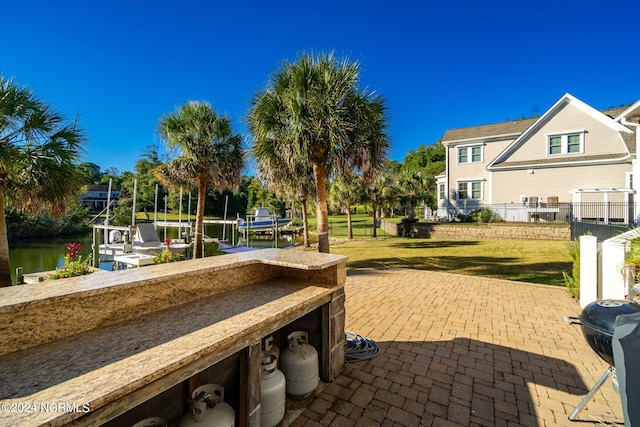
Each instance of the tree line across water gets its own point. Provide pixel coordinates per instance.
(316, 136)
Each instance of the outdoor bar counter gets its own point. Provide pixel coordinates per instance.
(112, 349)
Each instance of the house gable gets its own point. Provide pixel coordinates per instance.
(594, 137)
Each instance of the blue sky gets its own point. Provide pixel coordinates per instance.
(439, 64)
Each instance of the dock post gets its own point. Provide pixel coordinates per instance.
(275, 234)
(95, 257)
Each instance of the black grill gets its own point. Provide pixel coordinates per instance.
(598, 321)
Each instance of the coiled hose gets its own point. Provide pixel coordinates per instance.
(359, 348)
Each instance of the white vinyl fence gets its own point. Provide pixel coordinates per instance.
(603, 270)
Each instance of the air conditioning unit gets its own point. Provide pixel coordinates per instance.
(523, 198)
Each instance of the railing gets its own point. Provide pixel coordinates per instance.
(600, 230)
(604, 212)
(618, 213)
(360, 228)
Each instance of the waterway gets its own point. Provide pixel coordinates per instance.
(35, 255)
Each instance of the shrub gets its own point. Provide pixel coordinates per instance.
(166, 255)
(74, 265)
(483, 215)
(573, 282)
(632, 261)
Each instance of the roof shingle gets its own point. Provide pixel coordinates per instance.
(484, 131)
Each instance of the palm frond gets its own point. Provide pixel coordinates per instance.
(207, 145)
(39, 151)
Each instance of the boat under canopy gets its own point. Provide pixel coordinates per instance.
(262, 221)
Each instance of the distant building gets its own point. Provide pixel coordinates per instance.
(96, 196)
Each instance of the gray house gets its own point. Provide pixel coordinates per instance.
(96, 196)
(544, 168)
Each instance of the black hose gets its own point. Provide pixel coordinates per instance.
(359, 348)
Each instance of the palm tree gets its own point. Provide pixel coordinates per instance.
(293, 182)
(417, 176)
(389, 192)
(211, 155)
(345, 192)
(313, 110)
(415, 184)
(39, 153)
(377, 193)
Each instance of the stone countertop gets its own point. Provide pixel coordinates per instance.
(26, 294)
(31, 315)
(100, 366)
(41, 276)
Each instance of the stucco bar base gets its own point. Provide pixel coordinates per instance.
(106, 345)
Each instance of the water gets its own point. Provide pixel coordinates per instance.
(48, 253)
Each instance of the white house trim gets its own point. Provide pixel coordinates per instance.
(614, 160)
(490, 188)
(626, 112)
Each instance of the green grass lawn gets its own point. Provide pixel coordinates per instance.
(536, 261)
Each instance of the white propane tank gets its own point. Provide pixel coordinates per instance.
(269, 347)
(208, 409)
(272, 392)
(151, 422)
(299, 363)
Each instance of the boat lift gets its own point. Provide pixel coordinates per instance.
(106, 247)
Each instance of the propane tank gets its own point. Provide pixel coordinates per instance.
(151, 422)
(269, 347)
(272, 392)
(208, 409)
(299, 363)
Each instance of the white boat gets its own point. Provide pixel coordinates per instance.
(133, 260)
(231, 249)
(146, 241)
(262, 220)
(110, 241)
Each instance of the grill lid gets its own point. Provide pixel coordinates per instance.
(601, 315)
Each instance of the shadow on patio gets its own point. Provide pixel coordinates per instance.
(462, 351)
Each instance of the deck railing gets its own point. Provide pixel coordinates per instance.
(619, 213)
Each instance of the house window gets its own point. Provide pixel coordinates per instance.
(574, 143)
(441, 193)
(462, 155)
(555, 145)
(566, 144)
(470, 154)
(476, 154)
(470, 190)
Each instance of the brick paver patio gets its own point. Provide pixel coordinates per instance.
(462, 351)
